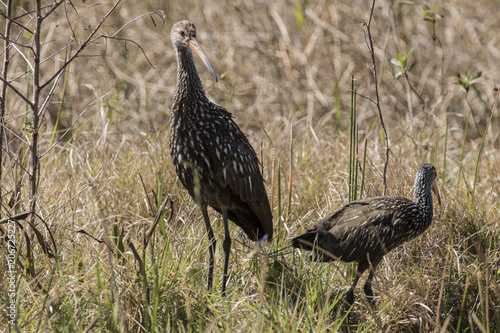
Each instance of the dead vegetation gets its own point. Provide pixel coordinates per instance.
(103, 168)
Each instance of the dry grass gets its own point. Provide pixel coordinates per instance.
(280, 65)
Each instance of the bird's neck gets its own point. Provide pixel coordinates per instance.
(188, 81)
(422, 196)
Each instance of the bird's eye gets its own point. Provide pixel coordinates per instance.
(183, 33)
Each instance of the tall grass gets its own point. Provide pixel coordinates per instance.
(101, 187)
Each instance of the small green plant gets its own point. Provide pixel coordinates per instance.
(429, 14)
(468, 81)
(401, 61)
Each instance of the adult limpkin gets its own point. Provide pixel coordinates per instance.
(212, 157)
(365, 230)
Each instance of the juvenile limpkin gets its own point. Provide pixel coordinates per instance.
(365, 230)
(212, 157)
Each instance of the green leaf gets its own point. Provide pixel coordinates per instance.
(429, 14)
(398, 75)
(467, 81)
(161, 224)
(299, 14)
(400, 58)
(118, 240)
(476, 77)
(396, 62)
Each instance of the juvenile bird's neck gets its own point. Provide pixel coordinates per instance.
(422, 196)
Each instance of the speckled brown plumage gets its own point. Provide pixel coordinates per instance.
(365, 230)
(212, 157)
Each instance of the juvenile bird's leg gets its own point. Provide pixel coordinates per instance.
(226, 245)
(211, 248)
(368, 288)
(349, 297)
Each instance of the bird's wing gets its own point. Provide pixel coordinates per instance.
(239, 170)
(367, 212)
(238, 165)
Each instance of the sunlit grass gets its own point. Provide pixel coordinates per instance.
(281, 67)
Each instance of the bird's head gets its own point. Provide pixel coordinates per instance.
(428, 173)
(183, 37)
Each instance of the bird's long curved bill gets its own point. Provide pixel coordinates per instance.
(436, 192)
(196, 48)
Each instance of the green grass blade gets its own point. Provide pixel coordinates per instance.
(363, 173)
(463, 149)
(471, 200)
(445, 151)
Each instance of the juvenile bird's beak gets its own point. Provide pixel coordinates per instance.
(196, 48)
(436, 192)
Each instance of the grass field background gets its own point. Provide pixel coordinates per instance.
(285, 72)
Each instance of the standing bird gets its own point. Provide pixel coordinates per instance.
(212, 157)
(365, 230)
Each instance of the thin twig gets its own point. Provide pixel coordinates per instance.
(366, 97)
(14, 134)
(33, 169)
(18, 93)
(372, 52)
(42, 108)
(126, 40)
(160, 13)
(54, 6)
(14, 20)
(3, 92)
(82, 46)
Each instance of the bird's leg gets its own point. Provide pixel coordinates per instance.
(349, 297)
(226, 245)
(368, 288)
(211, 248)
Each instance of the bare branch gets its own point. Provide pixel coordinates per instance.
(48, 98)
(372, 52)
(22, 114)
(14, 20)
(14, 134)
(82, 46)
(57, 52)
(17, 92)
(160, 13)
(366, 97)
(130, 41)
(54, 7)
(3, 92)
(34, 11)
